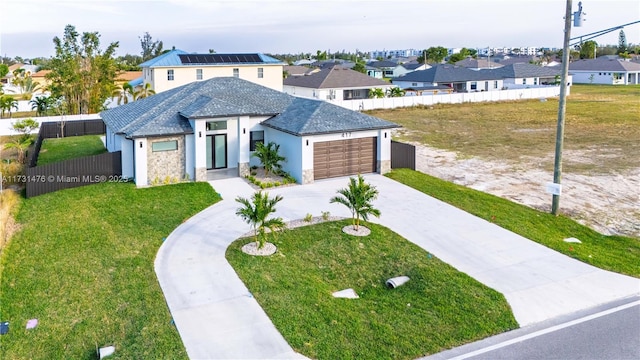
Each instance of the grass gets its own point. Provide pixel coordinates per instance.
(60, 149)
(83, 265)
(437, 309)
(615, 253)
(601, 121)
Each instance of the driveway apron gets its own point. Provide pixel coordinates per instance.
(217, 317)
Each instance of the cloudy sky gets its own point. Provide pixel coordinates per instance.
(27, 27)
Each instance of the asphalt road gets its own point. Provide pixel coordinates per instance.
(611, 333)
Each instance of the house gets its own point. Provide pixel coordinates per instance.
(176, 68)
(389, 69)
(129, 76)
(374, 72)
(333, 83)
(605, 71)
(295, 70)
(477, 64)
(40, 78)
(215, 124)
(528, 74)
(415, 66)
(458, 78)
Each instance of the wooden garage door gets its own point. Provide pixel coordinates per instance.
(344, 157)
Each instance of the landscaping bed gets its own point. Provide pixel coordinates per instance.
(437, 309)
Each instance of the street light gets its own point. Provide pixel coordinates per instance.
(556, 188)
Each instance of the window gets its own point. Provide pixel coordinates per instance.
(474, 85)
(170, 74)
(414, 84)
(617, 76)
(260, 73)
(535, 81)
(495, 84)
(524, 81)
(198, 74)
(164, 145)
(216, 125)
(255, 137)
(236, 72)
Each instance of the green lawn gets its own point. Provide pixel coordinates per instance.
(60, 149)
(437, 309)
(616, 253)
(83, 265)
(601, 122)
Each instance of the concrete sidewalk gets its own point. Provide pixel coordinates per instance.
(217, 318)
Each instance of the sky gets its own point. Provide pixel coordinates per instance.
(27, 27)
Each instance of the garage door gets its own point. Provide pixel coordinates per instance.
(344, 157)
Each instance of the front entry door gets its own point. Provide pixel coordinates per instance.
(217, 151)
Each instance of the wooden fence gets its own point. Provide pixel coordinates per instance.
(403, 155)
(72, 173)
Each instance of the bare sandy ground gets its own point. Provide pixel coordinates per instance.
(609, 204)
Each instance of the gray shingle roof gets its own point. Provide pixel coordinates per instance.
(310, 117)
(168, 112)
(604, 64)
(449, 73)
(334, 77)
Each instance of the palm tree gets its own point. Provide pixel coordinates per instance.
(7, 103)
(123, 93)
(376, 93)
(254, 211)
(358, 197)
(269, 157)
(28, 87)
(41, 104)
(395, 92)
(20, 143)
(143, 92)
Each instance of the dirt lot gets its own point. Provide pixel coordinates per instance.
(609, 203)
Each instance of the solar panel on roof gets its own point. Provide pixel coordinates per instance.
(219, 58)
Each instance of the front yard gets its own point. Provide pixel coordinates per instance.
(83, 266)
(437, 309)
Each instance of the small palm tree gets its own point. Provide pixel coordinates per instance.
(7, 103)
(123, 93)
(254, 211)
(21, 144)
(376, 93)
(41, 104)
(358, 197)
(395, 92)
(269, 157)
(143, 92)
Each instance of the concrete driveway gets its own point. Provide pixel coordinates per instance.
(218, 319)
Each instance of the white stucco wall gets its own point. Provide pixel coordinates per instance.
(126, 146)
(190, 155)
(200, 143)
(291, 148)
(140, 151)
(110, 140)
(182, 75)
(599, 77)
(322, 94)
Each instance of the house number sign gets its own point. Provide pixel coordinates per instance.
(346, 134)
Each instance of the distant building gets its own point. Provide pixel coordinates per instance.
(395, 53)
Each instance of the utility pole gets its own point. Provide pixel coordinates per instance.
(562, 105)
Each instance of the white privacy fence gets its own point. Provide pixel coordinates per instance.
(7, 123)
(454, 98)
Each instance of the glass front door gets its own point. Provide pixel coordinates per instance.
(217, 151)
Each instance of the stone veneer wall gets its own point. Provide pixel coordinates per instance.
(166, 164)
(307, 176)
(243, 169)
(384, 166)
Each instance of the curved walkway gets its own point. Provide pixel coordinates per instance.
(218, 319)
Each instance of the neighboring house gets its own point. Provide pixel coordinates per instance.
(176, 68)
(215, 124)
(303, 62)
(7, 80)
(389, 69)
(40, 78)
(295, 70)
(462, 79)
(128, 77)
(333, 83)
(605, 71)
(529, 74)
(458, 78)
(374, 72)
(477, 64)
(415, 66)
